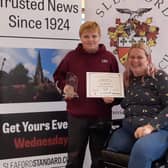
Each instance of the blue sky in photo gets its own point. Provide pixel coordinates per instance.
(50, 58)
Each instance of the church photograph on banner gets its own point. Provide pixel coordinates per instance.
(35, 35)
(27, 75)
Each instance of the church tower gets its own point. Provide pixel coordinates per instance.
(39, 77)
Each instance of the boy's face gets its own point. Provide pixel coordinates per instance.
(90, 41)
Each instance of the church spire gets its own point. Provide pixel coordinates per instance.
(39, 78)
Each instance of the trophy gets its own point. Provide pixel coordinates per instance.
(71, 85)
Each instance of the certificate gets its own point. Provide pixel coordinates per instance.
(104, 84)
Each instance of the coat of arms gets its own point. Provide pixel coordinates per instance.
(126, 33)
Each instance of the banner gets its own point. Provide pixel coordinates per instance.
(126, 21)
(40, 23)
(34, 37)
(31, 131)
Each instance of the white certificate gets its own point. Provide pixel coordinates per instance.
(104, 84)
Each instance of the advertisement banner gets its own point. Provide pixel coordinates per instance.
(31, 136)
(22, 134)
(34, 37)
(43, 23)
(43, 161)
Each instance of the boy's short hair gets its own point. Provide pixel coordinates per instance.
(89, 26)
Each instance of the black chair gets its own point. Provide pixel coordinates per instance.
(112, 159)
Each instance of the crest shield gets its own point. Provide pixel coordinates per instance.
(124, 44)
(124, 34)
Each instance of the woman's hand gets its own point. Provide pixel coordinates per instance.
(108, 100)
(144, 130)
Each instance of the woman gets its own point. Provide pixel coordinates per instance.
(83, 112)
(144, 131)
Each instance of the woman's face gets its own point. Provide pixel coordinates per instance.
(138, 61)
(90, 41)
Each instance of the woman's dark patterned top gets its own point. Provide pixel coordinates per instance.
(146, 101)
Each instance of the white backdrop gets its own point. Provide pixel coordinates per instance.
(152, 25)
(106, 14)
